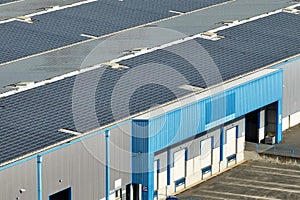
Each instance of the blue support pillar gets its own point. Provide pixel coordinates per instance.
(39, 177)
(149, 194)
(221, 143)
(279, 122)
(168, 167)
(107, 165)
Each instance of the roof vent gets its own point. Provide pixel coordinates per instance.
(210, 36)
(230, 22)
(26, 19)
(191, 88)
(291, 10)
(20, 85)
(53, 8)
(114, 65)
(133, 51)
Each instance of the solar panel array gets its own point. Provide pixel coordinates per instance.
(64, 27)
(6, 1)
(30, 120)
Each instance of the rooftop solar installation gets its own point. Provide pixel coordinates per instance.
(64, 27)
(6, 1)
(30, 120)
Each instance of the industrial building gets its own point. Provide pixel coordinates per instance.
(152, 121)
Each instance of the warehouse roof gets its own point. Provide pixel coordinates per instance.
(55, 63)
(59, 27)
(25, 116)
(37, 118)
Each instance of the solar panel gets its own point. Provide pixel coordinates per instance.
(64, 27)
(30, 120)
(6, 1)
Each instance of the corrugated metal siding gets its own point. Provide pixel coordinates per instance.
(140, 152)
(291, 92)
(23, 176)
(120, 155)
(190, 120)
(82, 165)
(142, 159)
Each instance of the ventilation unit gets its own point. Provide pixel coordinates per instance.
(291, 10)
(133, 51)
(20, 85)
(230, 22)
(191, 88)
(210, 36)
(114, 65)
(26, 19)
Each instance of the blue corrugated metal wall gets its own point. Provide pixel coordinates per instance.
(198, 117)
(189, 120)
(142, 159)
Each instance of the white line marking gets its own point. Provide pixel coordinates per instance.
(207, 196)
(274, 168)
(176, 12)
(263, 182)
(5, 4)
(88, 36)
(273, 173)
(260, 187)
(69, 131)
(242, 195)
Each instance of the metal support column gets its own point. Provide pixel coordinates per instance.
(39, 176)
(279, 122)
(107, 166)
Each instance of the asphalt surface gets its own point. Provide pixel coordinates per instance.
(291, 137)
(251, 180)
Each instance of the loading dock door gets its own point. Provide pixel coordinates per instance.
(231, 141)
(205, 151)
(252, 126)
(179, 164)
(62, 195)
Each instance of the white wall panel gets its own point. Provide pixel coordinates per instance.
(294, 119)
(162, 179)
(190, 167)
(216, 155)
(205, 151)
(240, 157)
(231, 141)
(179, 164)
(197, 167)
(240, 144)
(285, 123)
